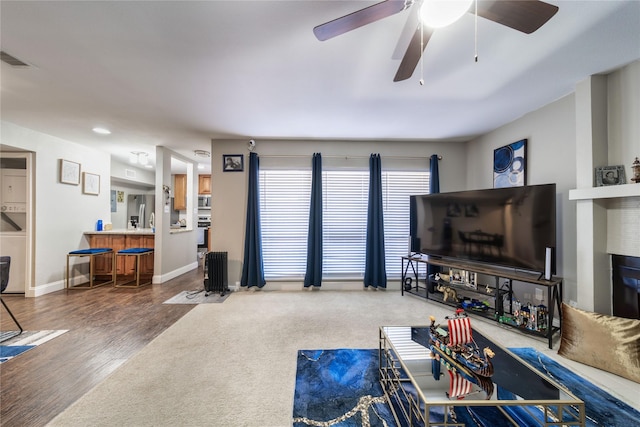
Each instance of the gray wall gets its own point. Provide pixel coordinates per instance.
(229, 189)
(551, 158)
(550, 134)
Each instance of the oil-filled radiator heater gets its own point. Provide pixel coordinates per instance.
(215, 273)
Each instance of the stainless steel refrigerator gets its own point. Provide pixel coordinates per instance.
(140, 208)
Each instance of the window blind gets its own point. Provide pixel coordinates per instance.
(284, 207)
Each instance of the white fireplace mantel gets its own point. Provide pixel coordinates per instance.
(606, 192)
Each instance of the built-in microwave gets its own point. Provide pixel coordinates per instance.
(204, 201)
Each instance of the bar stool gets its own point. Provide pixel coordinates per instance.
(138, 253)
(92, 253)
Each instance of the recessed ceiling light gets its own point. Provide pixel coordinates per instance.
(101, 131)
(200, 166)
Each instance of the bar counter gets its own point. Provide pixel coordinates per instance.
(135, 232)
(123, 239)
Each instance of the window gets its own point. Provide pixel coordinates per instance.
(284, 217)
(284, 210)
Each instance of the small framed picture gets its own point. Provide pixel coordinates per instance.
(232, 162)
(610, 175)
(69, 172)
(90, 183)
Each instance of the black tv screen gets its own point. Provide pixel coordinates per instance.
(509, 227)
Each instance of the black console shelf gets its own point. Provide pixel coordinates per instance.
(416, 281)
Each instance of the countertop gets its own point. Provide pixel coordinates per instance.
(139, 231)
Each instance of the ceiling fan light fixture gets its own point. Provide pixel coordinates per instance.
(440, 13)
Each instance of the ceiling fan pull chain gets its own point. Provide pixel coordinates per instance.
(476, 33)
(422, 54)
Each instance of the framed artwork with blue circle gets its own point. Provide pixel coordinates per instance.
(510, 165)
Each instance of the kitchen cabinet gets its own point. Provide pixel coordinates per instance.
(137, 241)
(180, 192)
(102, 264)
(117, 242)
(204, 184)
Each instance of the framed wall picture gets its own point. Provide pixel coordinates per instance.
(232, 162)
(90, 183)
(69, 172)
(510, 165)
(610, 175)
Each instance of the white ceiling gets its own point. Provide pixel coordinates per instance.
(179, 73)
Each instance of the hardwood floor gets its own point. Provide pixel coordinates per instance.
(106, 327)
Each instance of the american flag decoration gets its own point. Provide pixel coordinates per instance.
(460, 331)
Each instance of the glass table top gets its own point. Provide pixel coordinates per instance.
(512, 378)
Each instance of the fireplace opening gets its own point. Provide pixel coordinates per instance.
(626, 286)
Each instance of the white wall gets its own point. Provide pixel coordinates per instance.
(623, 87)
(623, 223)
(229, 189)
(608, 126)
(126, 173)
(176, 250)
(62, 211)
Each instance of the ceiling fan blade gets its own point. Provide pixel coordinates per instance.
(413, 19)
(359, 18)
(413, 53)
(522, 15)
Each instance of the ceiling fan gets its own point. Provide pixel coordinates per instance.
(522, 15)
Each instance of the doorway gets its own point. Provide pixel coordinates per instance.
(16, 218)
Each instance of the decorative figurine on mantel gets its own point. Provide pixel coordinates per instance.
(635, 167)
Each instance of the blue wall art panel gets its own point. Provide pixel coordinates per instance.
(509, 165)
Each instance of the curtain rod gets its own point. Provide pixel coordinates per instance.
(301, 156)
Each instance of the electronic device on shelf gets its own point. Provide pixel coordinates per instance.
(507, 227)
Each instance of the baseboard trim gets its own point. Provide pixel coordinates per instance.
(45, 289)
(161, 278)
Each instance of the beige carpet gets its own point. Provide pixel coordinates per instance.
(234, 364)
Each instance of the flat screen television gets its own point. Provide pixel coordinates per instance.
(508, 227)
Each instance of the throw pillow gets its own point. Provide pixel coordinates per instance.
(606, 342)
